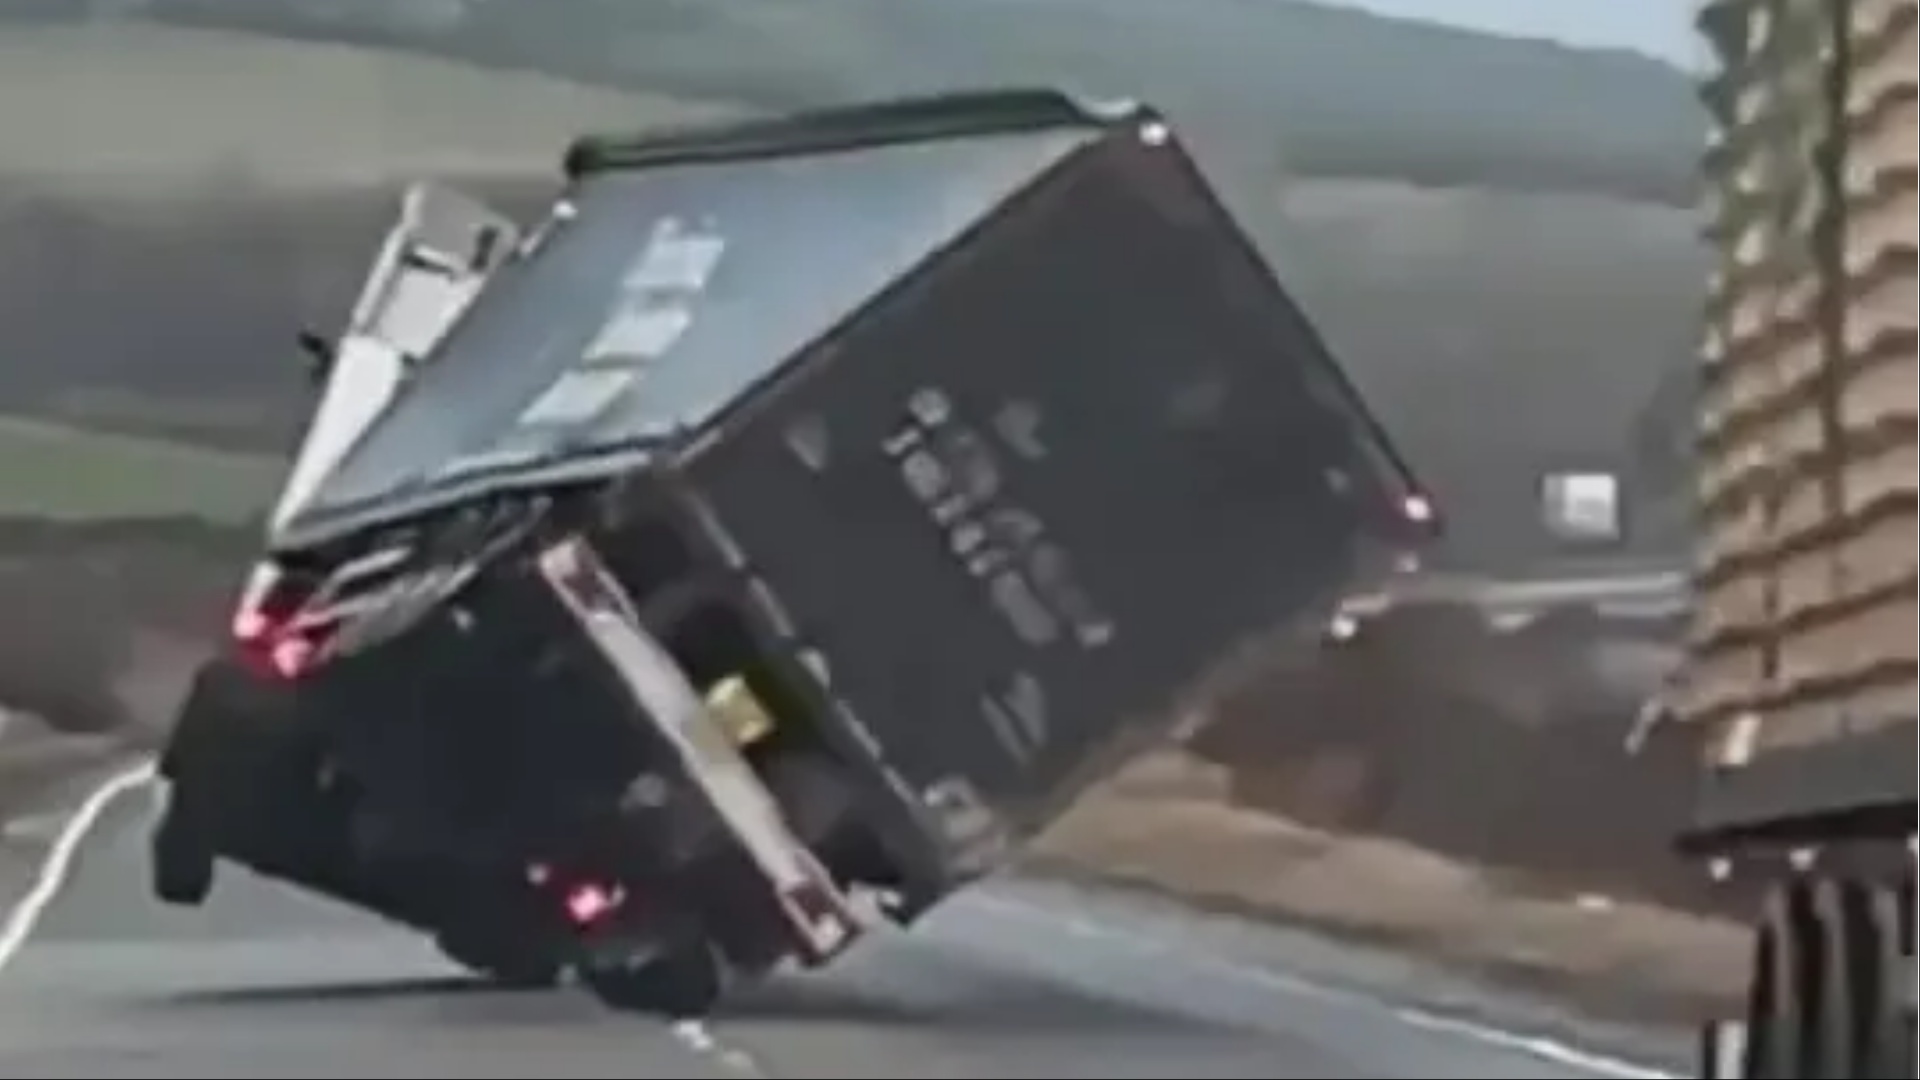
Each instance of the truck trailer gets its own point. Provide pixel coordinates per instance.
(1800, 675)
(793, 523)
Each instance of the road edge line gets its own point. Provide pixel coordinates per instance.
(1274, 980)
(50, 877)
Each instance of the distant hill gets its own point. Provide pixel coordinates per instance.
(174, 201)
(1328, 91)
(1503, 335)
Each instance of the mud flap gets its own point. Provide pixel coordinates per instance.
(819, 912)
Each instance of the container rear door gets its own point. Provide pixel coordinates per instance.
(1035, 496)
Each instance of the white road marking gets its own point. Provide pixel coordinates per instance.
(698, 1037)
(1272, 980)
(57, 867)
(74, 828)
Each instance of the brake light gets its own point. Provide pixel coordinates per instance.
(588, 903)
(275, 651)
(263, 628)
(251, 625)
(291, 655)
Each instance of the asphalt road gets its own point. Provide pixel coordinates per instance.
(1018, 980)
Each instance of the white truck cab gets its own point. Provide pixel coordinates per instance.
(436, 258)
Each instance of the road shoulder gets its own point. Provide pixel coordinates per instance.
(1592, 969)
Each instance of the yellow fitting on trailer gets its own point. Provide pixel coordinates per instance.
(739, 712)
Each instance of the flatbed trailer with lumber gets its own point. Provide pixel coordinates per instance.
(1800, 675)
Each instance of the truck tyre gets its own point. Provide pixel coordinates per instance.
(182, 849)
(508, 964)
(1853, 984)
(225, 705)
(1869, 1029)
(684, 980)
(1783, 1024)
(182, 858)
(814, 795)
(1897, 1042)
(236, 764)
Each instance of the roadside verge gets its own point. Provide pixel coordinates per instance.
(1166, 827)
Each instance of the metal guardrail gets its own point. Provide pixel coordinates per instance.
(1511, 601)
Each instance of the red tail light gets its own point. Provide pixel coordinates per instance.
(264, 630)
(585, 902)
(588, 903)
(277, 652)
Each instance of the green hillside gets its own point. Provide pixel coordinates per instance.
(1332, 91)
(200, 193)
(60, 473)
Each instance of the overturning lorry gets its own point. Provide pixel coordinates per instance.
(771, 538)
(1800, 680)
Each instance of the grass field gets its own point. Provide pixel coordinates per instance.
(62, 473)
(142, 106)
(143, 111)
(197, 194)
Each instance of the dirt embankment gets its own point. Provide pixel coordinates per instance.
(101, 623)
(1510, 751)
(1171, 826)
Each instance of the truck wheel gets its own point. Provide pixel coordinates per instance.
(682, 981)
(1852, 986)
(1878, 937)
(511, 965)
(1897, 1051)
(209, 763)
(1784, 1025)
(820, 809)
(225, 705)
(182, 859)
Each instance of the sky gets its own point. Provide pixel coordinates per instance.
(1662, 28)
